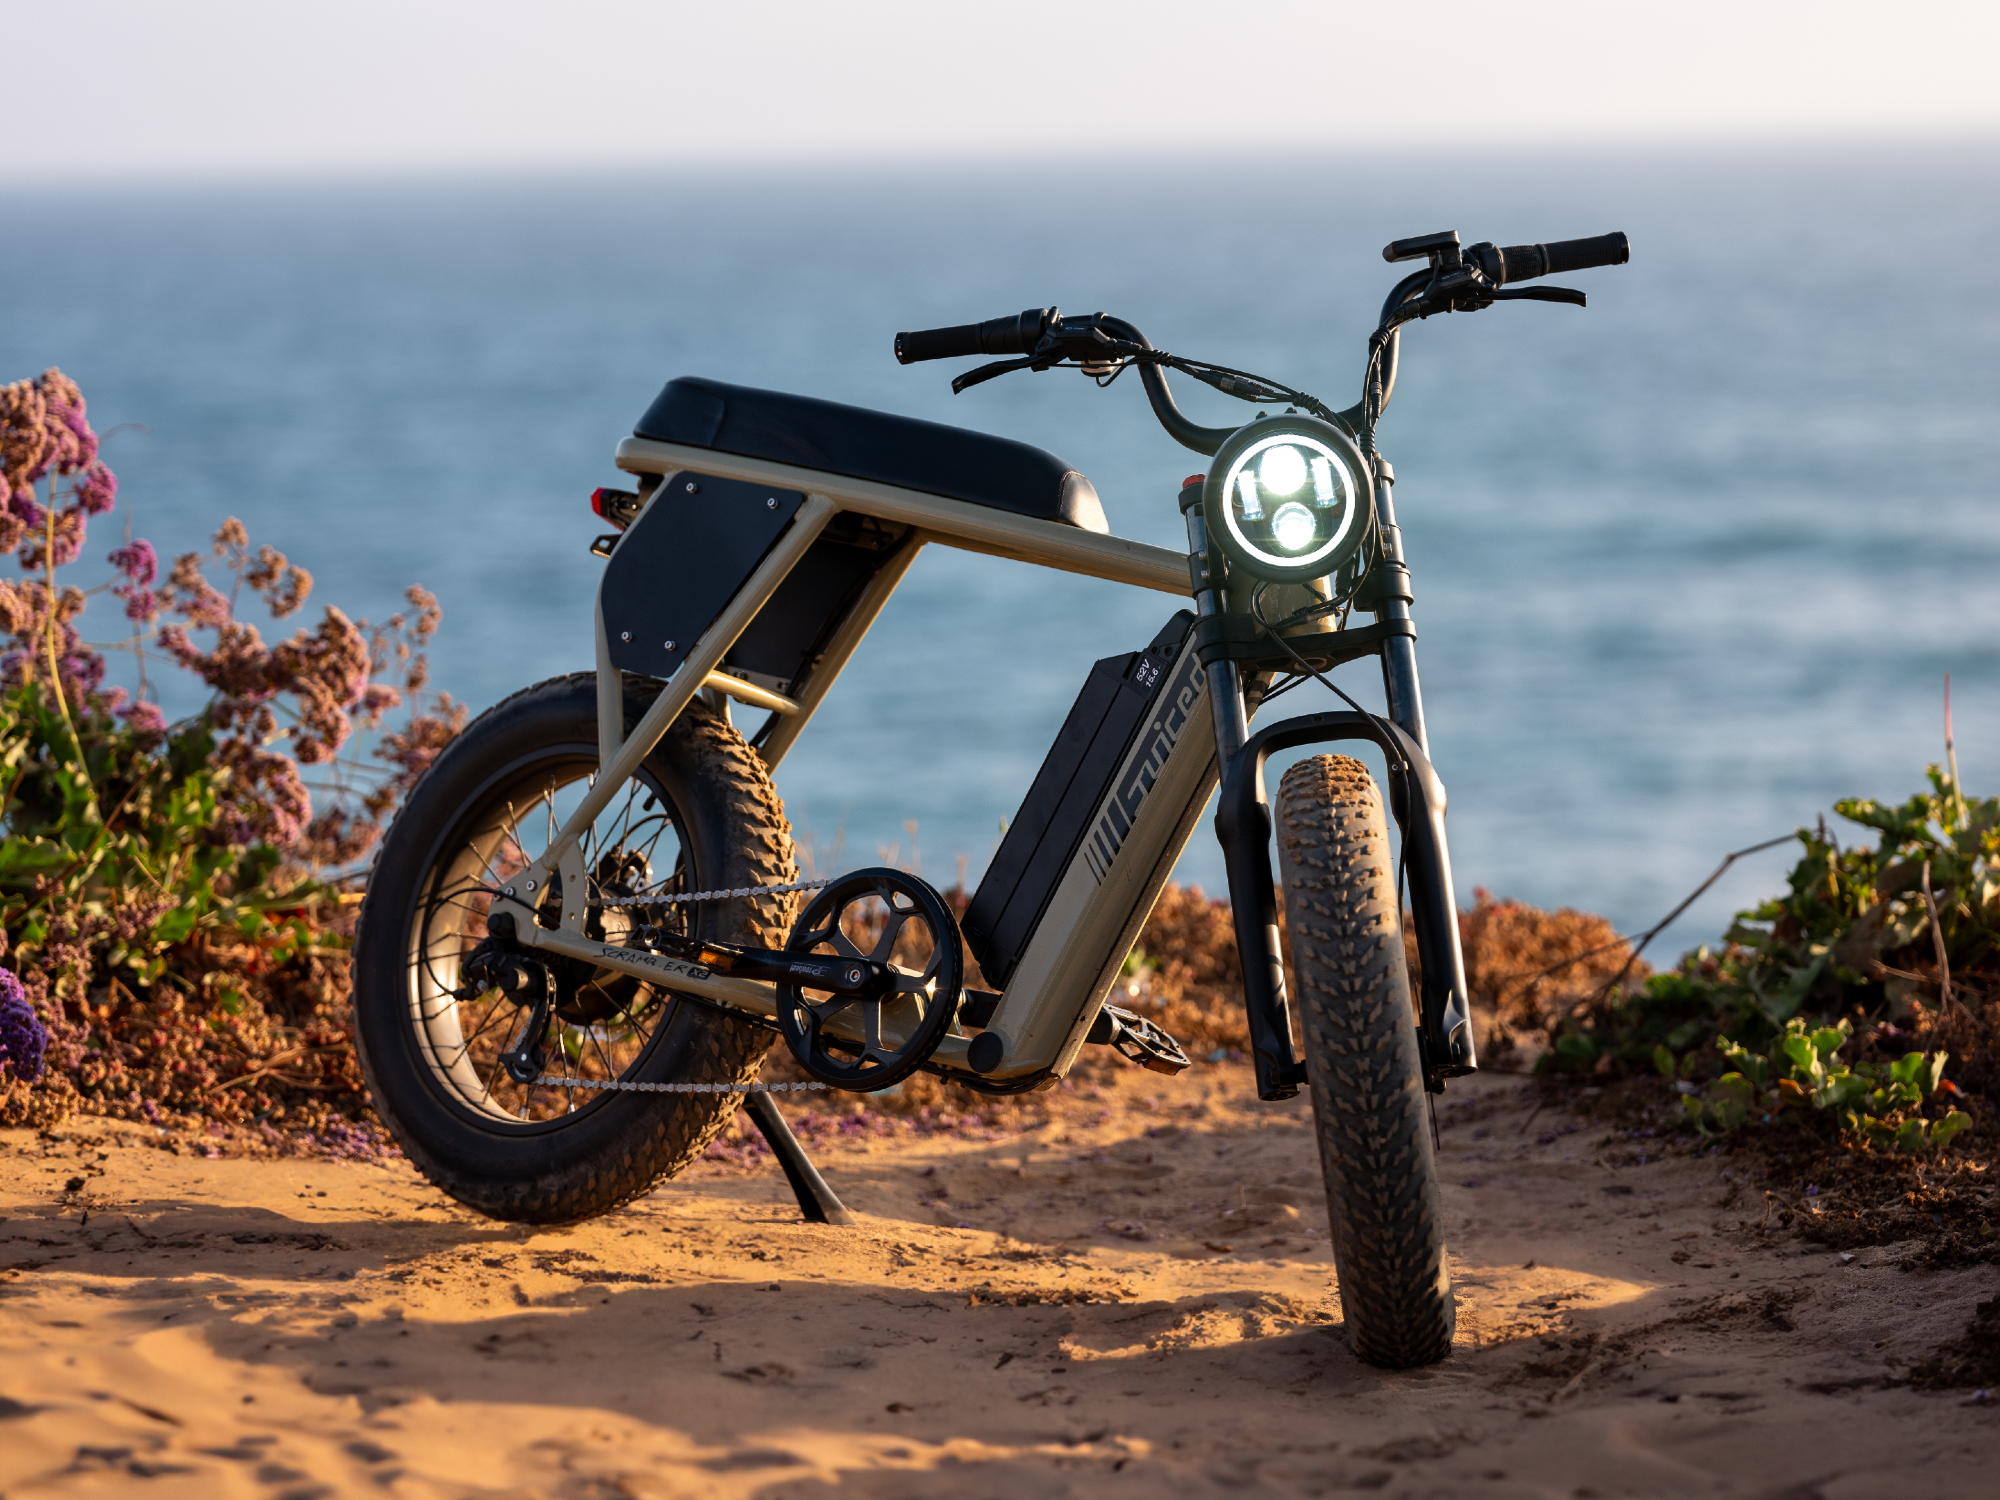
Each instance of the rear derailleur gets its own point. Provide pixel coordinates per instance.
(496, 965)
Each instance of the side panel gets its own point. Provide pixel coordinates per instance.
(683, 560)
(1135, 833)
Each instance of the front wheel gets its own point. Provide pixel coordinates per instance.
(700, 814)
(1362, 1063)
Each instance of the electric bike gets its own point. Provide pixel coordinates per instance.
(587, 926)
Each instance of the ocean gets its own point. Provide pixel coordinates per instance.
(1690, 565)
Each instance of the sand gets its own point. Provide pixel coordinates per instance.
(1135, 1299)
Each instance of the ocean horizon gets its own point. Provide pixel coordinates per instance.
(1690, 564)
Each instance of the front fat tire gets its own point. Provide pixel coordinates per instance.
(1363, 1064)
(735, 834)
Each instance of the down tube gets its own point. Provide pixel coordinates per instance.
(1129, 847)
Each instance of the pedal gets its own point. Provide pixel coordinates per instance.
(1138, 1040)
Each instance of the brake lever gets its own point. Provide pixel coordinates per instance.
(960, 384)
(1077, 339)
(1541, 294)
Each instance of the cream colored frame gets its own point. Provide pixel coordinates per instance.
(1091, 923)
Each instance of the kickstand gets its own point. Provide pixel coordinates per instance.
(816, 1200)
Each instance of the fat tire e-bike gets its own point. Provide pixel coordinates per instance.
(586, 926)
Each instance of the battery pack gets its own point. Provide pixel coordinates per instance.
(1040, 843)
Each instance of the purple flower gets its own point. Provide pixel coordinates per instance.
(144, 719)
(140, 565)
(137, 561)
(97, 489)
(23, 1039)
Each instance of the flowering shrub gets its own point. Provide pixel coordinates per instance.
(169, 893)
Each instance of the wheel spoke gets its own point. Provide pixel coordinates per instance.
(608, 1021)
(611, 1070)
(491, 1074)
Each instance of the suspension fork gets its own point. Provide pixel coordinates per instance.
(1393, 598)
(1417, 799)
(1446, 1032)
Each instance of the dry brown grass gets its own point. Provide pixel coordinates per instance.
(1527, 969)
(232, 1040)
(262, 1051)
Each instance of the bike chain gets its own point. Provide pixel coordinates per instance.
(748, 890)
(620, 1086)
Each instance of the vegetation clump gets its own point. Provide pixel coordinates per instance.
(171, 901)
(1878, 1103)
(1840, 1004)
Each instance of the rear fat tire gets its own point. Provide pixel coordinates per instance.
(733, 833)
(1363, 1064)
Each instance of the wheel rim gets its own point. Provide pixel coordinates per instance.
(604, 1026)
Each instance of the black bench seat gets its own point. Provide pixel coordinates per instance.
(862, 444)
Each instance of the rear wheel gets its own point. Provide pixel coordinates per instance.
(700, 814)
(1362, 1063)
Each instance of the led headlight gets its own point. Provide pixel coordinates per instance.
(1286, 498)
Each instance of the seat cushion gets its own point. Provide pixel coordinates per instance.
(863, 444)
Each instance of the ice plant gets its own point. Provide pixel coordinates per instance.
(24, 1040)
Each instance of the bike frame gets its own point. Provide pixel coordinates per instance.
(1198, 735)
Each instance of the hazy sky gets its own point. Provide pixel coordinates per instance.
(150, 87)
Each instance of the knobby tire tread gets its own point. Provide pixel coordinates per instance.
(667, 1131)
(1363, 1064)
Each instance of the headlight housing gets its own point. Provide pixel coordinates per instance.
(1287, 498)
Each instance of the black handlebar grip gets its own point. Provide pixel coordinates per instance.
(1017, 335)
(1526, 262)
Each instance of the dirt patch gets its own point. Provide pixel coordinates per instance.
(990, 1315)
(1971, 1359)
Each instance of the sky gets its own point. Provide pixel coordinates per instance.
(122, 89)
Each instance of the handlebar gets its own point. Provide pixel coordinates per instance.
(1458, 279)
(1512, 262)
(1017, 335)
(1470, 277)
(1525, 262)
(1188, 433)
(1024, 334)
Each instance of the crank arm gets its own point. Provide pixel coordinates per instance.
(819, 971)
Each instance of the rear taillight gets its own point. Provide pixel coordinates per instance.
(619, 507)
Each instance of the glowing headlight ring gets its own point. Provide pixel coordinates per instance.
(1259, 528)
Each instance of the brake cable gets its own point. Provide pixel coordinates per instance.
(1120, 353)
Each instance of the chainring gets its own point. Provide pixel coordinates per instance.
(886, 917)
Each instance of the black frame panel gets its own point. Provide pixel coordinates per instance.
(684, 559)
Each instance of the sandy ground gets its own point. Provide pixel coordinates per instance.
(1135, 1299)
